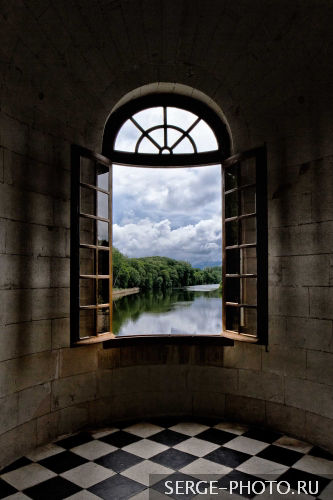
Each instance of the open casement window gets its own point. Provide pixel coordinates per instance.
(91, 236)
(148, 132)
(244, 219)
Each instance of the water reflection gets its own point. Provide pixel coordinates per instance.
(179, 311)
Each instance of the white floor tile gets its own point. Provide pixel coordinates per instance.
(196, 447)
(144, 429)
(189, 428)
(293, 444)
(246, 445)
(17, 496)
(88, 474)
(202, 468)
(327, 493)
(145, 448)
(315, 465)
(262, 468)
(142, 472)
(27, 476)
(103, 432)
(144, 495)
(93, 449)
(230, 427)
(83, 495)
(44, 452)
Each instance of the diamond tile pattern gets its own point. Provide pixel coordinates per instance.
(116, 463)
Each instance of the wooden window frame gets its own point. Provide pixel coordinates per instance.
(220, 156)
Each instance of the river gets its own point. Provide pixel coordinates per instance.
(193, 310)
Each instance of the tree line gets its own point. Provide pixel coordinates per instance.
(159, 272)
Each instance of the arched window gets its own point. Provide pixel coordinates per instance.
(167, 130)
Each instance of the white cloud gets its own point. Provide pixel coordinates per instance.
(197, 243)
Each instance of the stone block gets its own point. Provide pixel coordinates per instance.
(245, 409)
(79, 360)
(319, 367)
(316, 334)
(208, 404)
(73, 418)
(60, 272)
(34, 402)
(27, 206)
(260, 385)
(60, 333)
(286, 419)
(15, 306)
(27, 371)
(305, 270)
(47, 427)
(317, 431)
(284, 361)
(22, 271)
(2, 164)
(310, 396)
(9, 412)
(321, 302)
(14, 135)
(73, 390)
(212, 379)
(50, 303)
(243, 355)
(17, 442)
(24, 338)
(31, 239)
(306, 239)
(288, 301)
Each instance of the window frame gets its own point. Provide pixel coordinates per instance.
(220, 156)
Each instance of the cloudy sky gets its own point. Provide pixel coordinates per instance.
(173, 212)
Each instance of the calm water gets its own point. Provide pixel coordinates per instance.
(194, 310)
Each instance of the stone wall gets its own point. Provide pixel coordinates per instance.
(65, 65)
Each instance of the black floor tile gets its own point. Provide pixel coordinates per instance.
(227, 457)
(216, 436)
(56, 488)
(6, 489)
(262, 435)
(120, 439)
(293, 476)
(173, 459)
(280, 455)
(119, 460)
(77, 440)
(172, 480)
(21, 462)
(168, 437)
(319, 452)
(63, 461)
(117, 488)
(243, 480)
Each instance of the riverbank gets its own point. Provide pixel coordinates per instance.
(121, 292)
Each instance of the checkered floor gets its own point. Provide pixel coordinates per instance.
(117, 463)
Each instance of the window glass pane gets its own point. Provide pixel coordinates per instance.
(231, 205)
(146, 146)
(87, 261)
(249, 291)
(127, 137)
(102, 205)
(180, 117)
(103, 291)
(87, 170)
(103, 233)
(230, 177)
(103, 320)
(248, 200)
(103, 262)
(233, 261)
(184, 146)
(87, 201)
(231, 233)
(248, 171)
(248, 320)
(232, 318)
(87, 292)
(87, 231)
(232, 290)
(204, 137)
(149, 117)
(248, 260)
(87, 322)
(173, 135)
(248, 230)
(158, 136)
(102, 177)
